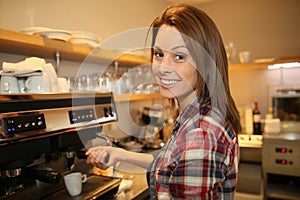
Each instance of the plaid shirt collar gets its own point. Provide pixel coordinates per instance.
(189, 112)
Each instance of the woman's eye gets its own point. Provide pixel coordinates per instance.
(158, 54)
(180, 57)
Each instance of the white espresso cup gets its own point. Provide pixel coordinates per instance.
(73, 182)
(62, 84)
(38, 83)
(9, 84)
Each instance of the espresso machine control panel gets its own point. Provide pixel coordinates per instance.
(87, 115)
(24, 123)
(81, 115)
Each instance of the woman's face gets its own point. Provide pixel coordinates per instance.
(173, 66)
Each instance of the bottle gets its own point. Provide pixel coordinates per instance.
(256, 119)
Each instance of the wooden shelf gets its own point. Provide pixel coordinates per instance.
(248, 66)
(264, 65)
(15, 42)
(136, 97)
(19, 43)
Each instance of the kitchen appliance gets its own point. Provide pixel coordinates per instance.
(286, 107)
(43, 137)
(281, 151)
(281, 165)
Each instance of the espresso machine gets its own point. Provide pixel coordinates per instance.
(44, 136)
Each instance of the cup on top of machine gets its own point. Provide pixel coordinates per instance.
(9, 84)
(38, 83)
(244, 56)
(62, 84)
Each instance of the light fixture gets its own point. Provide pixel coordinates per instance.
(284, 65)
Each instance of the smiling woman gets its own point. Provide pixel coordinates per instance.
(200, 159)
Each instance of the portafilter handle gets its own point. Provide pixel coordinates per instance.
(45, 176)
(81, 155)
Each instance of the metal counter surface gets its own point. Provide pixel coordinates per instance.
(139, 189)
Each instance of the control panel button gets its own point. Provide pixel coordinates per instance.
(281, 150)
(281, 161)
(108, 112)
(105, 110)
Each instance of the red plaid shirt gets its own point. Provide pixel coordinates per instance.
(200, 160)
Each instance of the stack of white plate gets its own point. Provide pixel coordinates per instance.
(75, 37)
(35, 29)
(55, 34)
(85, 38)
(50, 33)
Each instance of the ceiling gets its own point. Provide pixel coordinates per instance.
(189, 1)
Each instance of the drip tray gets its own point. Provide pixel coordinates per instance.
(95, 187)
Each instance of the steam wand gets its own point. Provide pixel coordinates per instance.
(70, 159)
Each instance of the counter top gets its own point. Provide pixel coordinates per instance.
(127, 171)
(251, 141)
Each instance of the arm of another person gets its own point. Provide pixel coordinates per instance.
(106, 156)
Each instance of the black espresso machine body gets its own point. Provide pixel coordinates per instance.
(40, 136)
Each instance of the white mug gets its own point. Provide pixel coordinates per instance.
(50, 70)
(21, 83)
(9, 84)
(38, 83)
(73, 182)
(62, 84)
(244, 56)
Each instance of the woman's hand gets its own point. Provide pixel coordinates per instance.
(104, 156)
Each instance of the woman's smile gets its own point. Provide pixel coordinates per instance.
(168, 83)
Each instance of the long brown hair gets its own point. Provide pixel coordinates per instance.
(206, 46)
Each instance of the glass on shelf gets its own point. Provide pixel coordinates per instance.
(138, 80)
